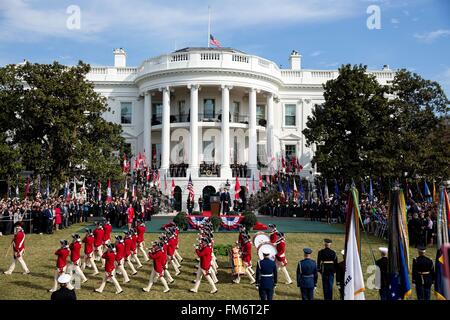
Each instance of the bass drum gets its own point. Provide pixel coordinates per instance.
(267, 247)
(260, 238)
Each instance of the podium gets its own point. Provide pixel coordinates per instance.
(215, 205)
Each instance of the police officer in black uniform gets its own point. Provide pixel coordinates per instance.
(327, 263)
(266, 277)
(422, 274)
(383, 263)
(307, 275)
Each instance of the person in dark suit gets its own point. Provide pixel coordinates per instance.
(225, 199)
(422, 274)
(266, 277)
(383, 263)
(307, 275)
(63, 293)
(327, 263)
(340, 275)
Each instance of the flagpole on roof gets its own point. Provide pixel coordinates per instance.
(209, 23)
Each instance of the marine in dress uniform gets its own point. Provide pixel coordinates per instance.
(61, 263)
(307, 275)
(120, 258)
(18, 243)
(110, 270)
(246, 249)
(98, 241)
(327, 264)
(204, 252)
(340, 276)
(158, 255)
(280, 257)
(266, 277)
(140, 230)
(63, 293)
(88, 260)
(382, 265)
(128, 243)
(422, 274)
(75, 254)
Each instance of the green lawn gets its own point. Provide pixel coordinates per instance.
(41, 261)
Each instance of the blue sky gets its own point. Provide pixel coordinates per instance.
(414, 34)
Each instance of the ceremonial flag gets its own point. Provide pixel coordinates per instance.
(283, 164)
(147, 174)
(260, 181)
(435, 199)
(353, 279)
(108, 192)
(327, 195)
(336, 190)
(419, 192)
(370, 191)
(165, 183)
(173, 188)
(133, 193)
(214, 41)
(237, 188)
(442, 221)
(254, 184)
(140, 160)
(75, 196)
(363, 188)
(302, 192)
(68, 197)
(246, 184)
(47, 191)
(398, 258)
(288, 188)
(99, 191)
(125, 194)
(83, 190)
(280, 189)
(27, 187)
(190, 188)
(427, 193)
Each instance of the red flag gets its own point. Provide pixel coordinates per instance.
(165, 183)
(27, 187)
(237, 188)
(126, 164)
(147, 175)
(260, 181)
(173, 188)
(253, 183)
(283, 164)
(246, 184)
(108, 192)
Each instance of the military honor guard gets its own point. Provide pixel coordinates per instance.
(381, 276)
(128, 243)
(158, 256)
(134, 254)
(63, 293)
(266, 277)
(280, 257)
(98, 241)
(307, 275)
(120, 258)
(18, 244)
(140, 230)
(246, 249)
(327, 264)
(75, 254)
(110, 270)
(88, 259)
(61, 263)
(204, 252)
(422, 274)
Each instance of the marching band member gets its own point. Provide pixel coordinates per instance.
(247, 259)
(128, 243)
(171, 247)
(273, 233)
(157, 254)
(107, 228)
(89, 252)
(140, 229)
(134, 247)
(110, 273)
(176, 231)
(98, 241)
(61, 263)
(163, 241)
(280, 257)
(75, 249)
(204, 253)
(18, 243)
(120, 258)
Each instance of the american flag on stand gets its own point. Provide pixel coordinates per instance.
(190, 188)
(214, 41)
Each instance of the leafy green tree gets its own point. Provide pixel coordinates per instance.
(51, 119)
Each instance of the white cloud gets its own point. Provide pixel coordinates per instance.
(395, 21)
(429, 37)
(316, 53)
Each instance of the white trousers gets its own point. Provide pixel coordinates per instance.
(154, 278)
(21, 261)
(110, 276)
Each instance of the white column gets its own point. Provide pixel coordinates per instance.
(252, 137)
(148, 127)
(165, 137)
(225, 170)
(193, 155)
(269, 129)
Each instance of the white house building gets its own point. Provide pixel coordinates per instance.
(171, 107)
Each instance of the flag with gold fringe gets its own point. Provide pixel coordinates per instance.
(354, 280)
(442, 228)
(398, 265)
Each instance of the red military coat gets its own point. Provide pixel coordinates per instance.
(171, 246)
(88, 244)
(19, 241)
(107, 228)
(62, 254)
(281, 249)
(205, 255)
(158, 261)
(247, 252)
(109, 257)
(128, 244)
(98, 235)
(140, 233)
(75, 248)
(120, 251)
(133, 243)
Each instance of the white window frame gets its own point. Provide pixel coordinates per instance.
(120, 113)
(284, 115)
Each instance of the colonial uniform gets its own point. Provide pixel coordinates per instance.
(280, 257)
(204, 252)
(307, 276)
(75, 249)
(110, 271)
(266, 277)
(422, 275)
(128, 243)
(120, 258)
(18, 244)
(327, 263)
(61, 264)
(98, 241)
(171, 247)
(107, 228)
(89, 252)
(140, 230)
(134, 248)
(158, 255)
(246, 248)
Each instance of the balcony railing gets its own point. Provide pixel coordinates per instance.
(209, 170)
(239, 170)
(202, 117)
(178, 170)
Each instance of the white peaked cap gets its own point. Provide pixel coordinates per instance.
(64, 278)
(383, 249)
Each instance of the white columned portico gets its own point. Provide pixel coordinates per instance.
(252, 138)
(225, 170)
(270, 142)
(193, 155)
(147, 127)
(165, 136)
